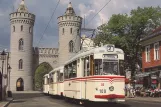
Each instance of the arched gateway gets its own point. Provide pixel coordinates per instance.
(20, 85)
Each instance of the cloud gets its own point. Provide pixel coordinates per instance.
(43, 10)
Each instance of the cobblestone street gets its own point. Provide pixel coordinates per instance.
(33, 100)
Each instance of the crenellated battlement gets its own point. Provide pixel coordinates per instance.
(51, 51)
(21, 17)
(68, 20)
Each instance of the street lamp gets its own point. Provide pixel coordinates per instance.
(9, 92)
(3, 57)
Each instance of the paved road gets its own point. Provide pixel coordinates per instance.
(46, 101)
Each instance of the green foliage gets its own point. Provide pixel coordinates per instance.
(125, 31)
(43, 69)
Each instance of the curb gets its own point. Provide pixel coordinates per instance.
(5, 105)
(154, 101)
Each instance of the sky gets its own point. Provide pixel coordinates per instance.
(43, 10)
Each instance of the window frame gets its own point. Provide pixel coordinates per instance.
(21, 28)
(78, 31)
(147, 53)
(71, 46)
(63, 31)
(71, 31)
(20, 65)
(30, 29)
(21, 44)
(156, 51)
(14, 29)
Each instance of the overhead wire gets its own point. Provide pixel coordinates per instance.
(91, 19)
(99, 11)
(48, 23)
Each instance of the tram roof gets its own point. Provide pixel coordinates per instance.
(56, 69)
(46, 75)
(102, 49)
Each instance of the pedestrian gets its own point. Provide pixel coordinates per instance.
(131, 92)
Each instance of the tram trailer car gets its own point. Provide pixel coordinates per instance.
(95, 75)
(46, 84)
(56, 78)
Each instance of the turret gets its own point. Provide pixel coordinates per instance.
(69, 34)
(21, 43)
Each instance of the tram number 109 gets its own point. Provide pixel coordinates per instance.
(102, 90)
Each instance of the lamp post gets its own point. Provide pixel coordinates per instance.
(9, 92)
(3, 57)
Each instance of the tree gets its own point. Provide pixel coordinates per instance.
(125, 31)
(43, 69)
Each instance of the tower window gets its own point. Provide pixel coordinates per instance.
(71, 30)
(21, 27)
(21, 44)
(77, 31)
(13, 28)
(20, 64)
(71, 46)
(30, 30)
(63, 31)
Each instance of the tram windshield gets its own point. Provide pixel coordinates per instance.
(110, 68)
(106, 67)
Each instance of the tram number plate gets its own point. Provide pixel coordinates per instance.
(102, 90)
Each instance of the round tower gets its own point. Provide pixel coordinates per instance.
(21, 43)
(69, 34)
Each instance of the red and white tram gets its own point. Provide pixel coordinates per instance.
(95, 75)
(56, 78)
(46, 84)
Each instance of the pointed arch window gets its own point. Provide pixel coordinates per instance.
(71, 30)
(21, 27)
(20, 64)
(21, 44)
(77, 31)
(13, 28)
(63, 31)
(71, 46)
(30, 30)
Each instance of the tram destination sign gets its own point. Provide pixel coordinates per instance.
(110, 48)
(108, 56)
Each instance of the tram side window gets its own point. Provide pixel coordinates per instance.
(66, 76)
(121, 67)
(86, 66)
(57, 76)
(70, 70)
(61, 77)
(51, 79)
(47, 80)
(73, 69)
(98, 66)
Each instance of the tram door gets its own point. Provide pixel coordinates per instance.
(20, 85)
(0, 86)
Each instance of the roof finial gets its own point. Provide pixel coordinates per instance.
(22, 2)
(22, 7)
(70, 4)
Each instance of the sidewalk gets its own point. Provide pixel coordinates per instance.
(145, 99)
(6, 102)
